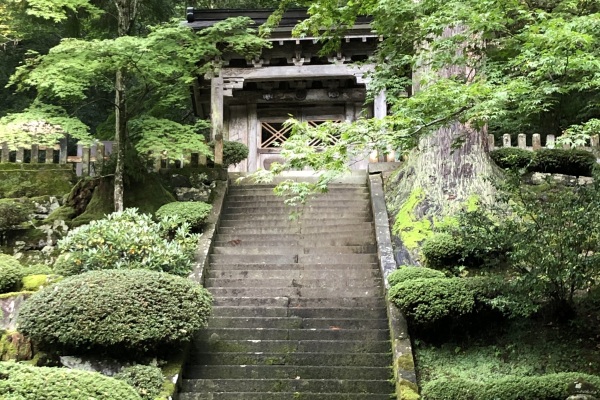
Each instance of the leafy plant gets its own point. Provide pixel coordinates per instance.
(568, 162)
(10, 274)
(14, 212)
(126, 240)
(130, 310)
(147, 380)
(511, 157)
(24, 382)
(442, 250)
(233, 152)
(193, 213)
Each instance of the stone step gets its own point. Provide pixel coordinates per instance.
(359, 227)
(289, 346)
(366, 235)
(287, 322)
(299, 303)
(285, 385)
(332, 282)
(310, 243)
(293, 258)
(281, 396)
(364, 312)
(286, 371)
(238, 200)
(268, 189)
(293, 250)
(316, 203)
(266, 221)
(291, 266)
(296, 292)
(292, 334)
(366, 273)
(333, 359)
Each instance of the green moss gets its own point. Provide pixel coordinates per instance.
(472, 203)
(63, 213)
(172, 368)
(14, 346)
(407, 227)
(149, 196)
(14, 294)
(406, 390)
(34, 282)
(100, 205)
(405, 362)
(31, 180)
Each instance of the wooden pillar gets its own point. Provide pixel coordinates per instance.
(49, 154)
(85, 161)
(216, 115)
(252, 138)
(62, 157)
(380, 106)
(5, 153)
(35, 153)
(238, 131)
(20, 155)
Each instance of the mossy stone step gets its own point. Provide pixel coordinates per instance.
(365, 312)
(367, 273)
(296, 292)
(324, 359)
(292, 334)
(281, 396)
(330, 229)
(292, 266)
(266, 220)
(300, 250)
(291, 322)
(286, 385)
(293, 258)
(350, 303)
(286, 371)
(292, 346)
(341, 283)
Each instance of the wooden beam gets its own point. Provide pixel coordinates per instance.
(326, 96)
(296, 72)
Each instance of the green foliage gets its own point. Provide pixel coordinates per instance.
(126, 240)
(547, 387)
(442, 250)
(428, 300)
(233, 152)
(409, 273)
(147, 380)
(14, 212)
(10, 274)
(129, 310)
(568, 162)
(25, 382)
(32, 180)
(176, 213)
(511, 157)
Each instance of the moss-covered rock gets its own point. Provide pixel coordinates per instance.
(15, 346)
(31, 180)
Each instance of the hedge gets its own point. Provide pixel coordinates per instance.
(569, 162)
(130, 310)
(442, 250)
(23, 382)
(126, 240)
(409, 273)
(556, 386)
(10, 274)
(511, 157)
(192, 212)
(14, 212)
(147, 380)
(233, 152)
(428, 300)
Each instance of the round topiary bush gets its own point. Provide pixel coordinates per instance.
(428, 300)
(147, 380)
(442, 250)
(10, 273)
(558, 161)
(511, 157)
(192, 212)
(233, 152)
(409, 273)
(126, 240)
(135, 310)
(24, 382)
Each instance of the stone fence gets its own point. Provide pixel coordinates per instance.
(536, 142)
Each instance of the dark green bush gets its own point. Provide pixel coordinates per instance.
(126, 240)
(10, 274)
(511, 157)
(24, 382)
(14, 212)
(557, 386)
(135, 310)
(147, 380)
(559, 161)
(428, 300)
(442, 250)
(409, 273)
(192, 212)
(233, 152)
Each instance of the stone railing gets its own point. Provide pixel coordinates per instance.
(536, 142)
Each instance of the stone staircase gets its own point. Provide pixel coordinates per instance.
(299, 310)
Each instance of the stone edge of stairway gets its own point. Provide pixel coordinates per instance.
(404, 367)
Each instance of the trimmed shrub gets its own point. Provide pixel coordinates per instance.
(24, 382)
(511, 157)
(147, 380)
(442, 250)
(133, 310)
(126, 240)
(10, 275)
(14, 212)
(233, 152)
(559, 161)
(428, 300)
(192, 212)
(409, 273)
(557, 386)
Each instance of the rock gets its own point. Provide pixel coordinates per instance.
(180, 181)
(582, 397)
(192, 194)
(105, 366)
(10, 307)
